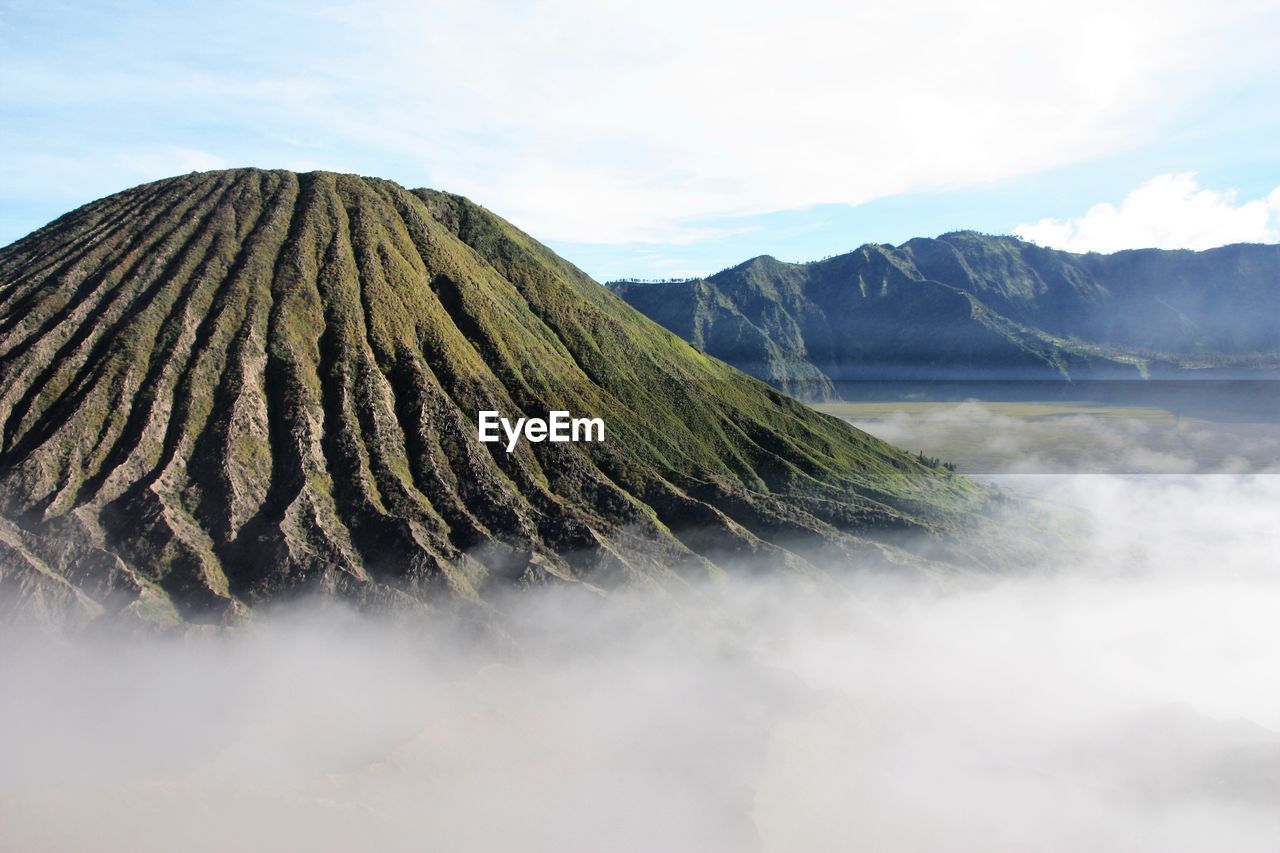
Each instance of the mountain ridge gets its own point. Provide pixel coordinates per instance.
(966, 305)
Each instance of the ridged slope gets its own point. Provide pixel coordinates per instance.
(971, 306)
(224, 387)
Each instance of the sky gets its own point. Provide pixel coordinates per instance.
(671, 139)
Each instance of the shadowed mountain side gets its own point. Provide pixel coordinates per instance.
(226, 387)
(969, 306)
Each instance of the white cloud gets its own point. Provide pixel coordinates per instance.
(161, 161)
(1169, 211)
(612, 123)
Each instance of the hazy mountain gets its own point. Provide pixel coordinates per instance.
(971, 306)
(224, 387)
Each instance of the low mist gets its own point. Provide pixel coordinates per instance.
(1123, 700)
(984, 439)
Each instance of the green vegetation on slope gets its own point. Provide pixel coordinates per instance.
(224, 387)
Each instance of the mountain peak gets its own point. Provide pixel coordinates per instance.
(230, 386)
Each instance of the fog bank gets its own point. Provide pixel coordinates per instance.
(1124, 701)
(983, 439)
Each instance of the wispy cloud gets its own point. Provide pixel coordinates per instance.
(609, 123)
(163, 160)
(1169, 211)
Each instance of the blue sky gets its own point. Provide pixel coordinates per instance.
(676, 138)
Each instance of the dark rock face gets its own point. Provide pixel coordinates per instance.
(969, 306)
(227, 387)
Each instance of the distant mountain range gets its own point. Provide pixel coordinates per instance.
(224, 388)
(975, 307)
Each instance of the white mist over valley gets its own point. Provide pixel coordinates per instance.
(1122, 698)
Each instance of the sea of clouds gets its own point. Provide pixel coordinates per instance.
(1122, 699)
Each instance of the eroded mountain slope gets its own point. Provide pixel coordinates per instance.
(226, 387)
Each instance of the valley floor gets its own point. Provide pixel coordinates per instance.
(1097, 427)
